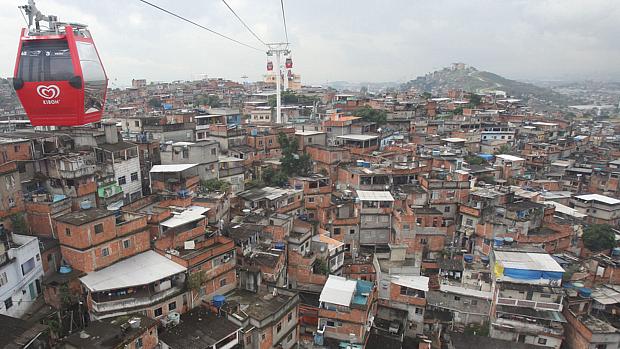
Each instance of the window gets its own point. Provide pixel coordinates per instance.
(158, 312)
(290, 316)
(94, 77)
(136, 123)
(262, 336)
(172, 306)
(289, 337)
(474, 302)
(543, 341)
(446, 209)
(248, 340)
(38, 257)
(279, 327)
(8, 303)
(28, 266)
(222, 282)
(52, 56)
(3, 279)
(310, 199)
(213, 151)
(351, 231)
(139, 343)
(336, 231)
(423, 241)
(469, 222)
(105, 251)
(457, 298)
(419, 311)
(122, 180)
(99, 228)
(67, 231)
(126, 243)
(134, 176)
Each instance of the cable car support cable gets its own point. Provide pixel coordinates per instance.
(199, 25)
(244, 24)
(284, 19)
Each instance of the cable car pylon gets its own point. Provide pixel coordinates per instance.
(278, 49)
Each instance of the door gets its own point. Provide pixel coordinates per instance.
(33, 292)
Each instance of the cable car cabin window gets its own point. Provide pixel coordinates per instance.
(93, 75)
(45, 61)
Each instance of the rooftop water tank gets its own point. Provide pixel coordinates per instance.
(508, 241)
(279, 246)
(254, 132)
(218, 300)
(65, 269)
(360, 163)
(499, 241)
(468, 258)
(485, 260)
(85, 205)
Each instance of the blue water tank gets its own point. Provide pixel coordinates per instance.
(567, 285)
(360, 163)
(279, 246)
(499, 241)
(254, 132)
(366, 164)
(218, 300)
(65, 269)
(485, 260)
(468, 258)
(615, 251)
(585, 292)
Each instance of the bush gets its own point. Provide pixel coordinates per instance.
(599, 237)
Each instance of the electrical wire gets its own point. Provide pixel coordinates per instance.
(284, 19)
(200, 26)
(244, 24)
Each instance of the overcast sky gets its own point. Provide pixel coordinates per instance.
(354, 40)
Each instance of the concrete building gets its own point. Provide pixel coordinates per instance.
(21, 272)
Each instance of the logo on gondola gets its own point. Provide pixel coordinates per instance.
(49, 93)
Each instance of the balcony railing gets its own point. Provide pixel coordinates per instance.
(115, 305)
(529, 304)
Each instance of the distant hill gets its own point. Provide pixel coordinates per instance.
(471, 79)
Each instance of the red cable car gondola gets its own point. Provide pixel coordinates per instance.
(269, 66)
(58, 74)
(289, 63)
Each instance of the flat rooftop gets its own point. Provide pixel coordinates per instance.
(84, 216)
(199, 328)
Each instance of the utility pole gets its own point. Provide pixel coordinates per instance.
(278, 49)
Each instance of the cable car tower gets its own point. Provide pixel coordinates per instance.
(278, 50)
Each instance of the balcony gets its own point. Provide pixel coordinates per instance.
(135, 300)
(84, 170)
(529, 304)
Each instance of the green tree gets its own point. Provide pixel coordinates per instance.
(599, 237)
(215, 185)
(212, 101)
(372, 115)
(474, 100)
(292, 162)
(458, 111)
(154, 102)
(18, 222)
(287, 97)
(426, 95)
(274, 177)
(475, 160)
(503, 149)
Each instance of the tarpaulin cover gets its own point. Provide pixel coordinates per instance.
(523, 274)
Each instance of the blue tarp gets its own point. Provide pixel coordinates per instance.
(487, 157)
(522, 274)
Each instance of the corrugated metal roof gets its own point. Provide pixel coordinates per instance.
(338, 290)
(367, 195)
(141, 269)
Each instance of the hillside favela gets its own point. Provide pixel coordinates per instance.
(309, 175)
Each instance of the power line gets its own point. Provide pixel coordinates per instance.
(244, 24)
(199, 25)
(284, 19)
